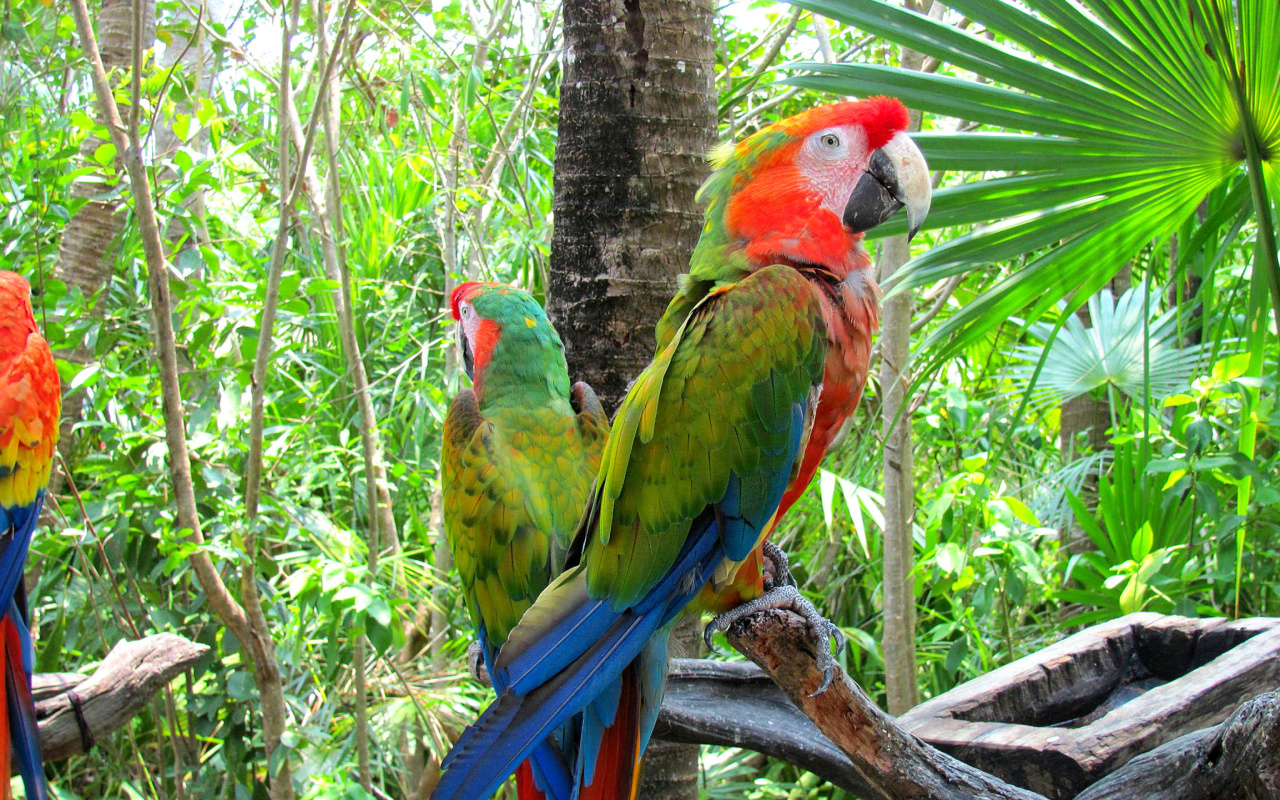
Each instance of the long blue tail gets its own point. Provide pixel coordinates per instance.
(17, 655)
(508, 731)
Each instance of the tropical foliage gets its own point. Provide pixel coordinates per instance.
(1073, 140)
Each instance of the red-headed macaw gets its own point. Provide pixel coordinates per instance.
(708, 439)
(30, 402)
(521, 449)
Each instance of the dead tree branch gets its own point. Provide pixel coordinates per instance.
(75, 710)
(895, 764)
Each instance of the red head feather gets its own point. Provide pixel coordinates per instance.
(459, 294)
(880, 117)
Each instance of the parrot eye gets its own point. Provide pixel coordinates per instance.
(829, 145)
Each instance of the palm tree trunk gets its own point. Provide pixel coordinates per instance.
(637, 117)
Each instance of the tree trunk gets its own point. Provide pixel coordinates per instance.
(86, 251)
(898, 638)
(1089, 416)
(898, 641)
(637, 117)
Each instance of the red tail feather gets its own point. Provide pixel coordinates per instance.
(617, 773)
(525, 787)
(5, 746)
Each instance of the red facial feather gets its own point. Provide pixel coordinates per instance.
(486, 338)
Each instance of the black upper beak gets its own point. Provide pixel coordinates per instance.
(468, 358)
(896, 177)
(876, 197)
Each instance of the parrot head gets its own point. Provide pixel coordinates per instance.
(17, 321)
(803, 190)
(487, 313)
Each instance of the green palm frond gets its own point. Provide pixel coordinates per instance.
(1110, 354)
(1113, 119)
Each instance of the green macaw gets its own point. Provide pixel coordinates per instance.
(779, 298)
(521, 450)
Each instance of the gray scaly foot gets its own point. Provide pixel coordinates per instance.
(788, 597)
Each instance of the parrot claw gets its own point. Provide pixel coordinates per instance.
(778, 570)
(475, 664)
(707, 634)
(788, 597)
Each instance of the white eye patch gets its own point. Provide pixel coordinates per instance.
(830, 144)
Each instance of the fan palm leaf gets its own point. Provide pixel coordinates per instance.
(1077, 360)
(1114, 119)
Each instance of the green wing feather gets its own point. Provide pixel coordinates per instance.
(515, 482)
(717, 397)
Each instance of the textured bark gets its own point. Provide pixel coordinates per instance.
(637, 117)
(1237, 760)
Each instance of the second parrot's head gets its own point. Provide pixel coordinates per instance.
(489, 312)
(804, 189)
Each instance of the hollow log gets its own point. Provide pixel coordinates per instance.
(74, 710)
(1236, 760)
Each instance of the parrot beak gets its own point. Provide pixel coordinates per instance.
(896, 177)
(464, 350)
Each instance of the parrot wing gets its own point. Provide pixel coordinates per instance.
(699, 456)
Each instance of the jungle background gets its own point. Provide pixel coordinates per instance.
(1087, 428)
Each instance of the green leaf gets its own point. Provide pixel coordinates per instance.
(105, 155)
(1091, 157)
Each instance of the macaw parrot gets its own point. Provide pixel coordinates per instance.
(30, 403)
(521, 449)
(779, 295)
(896, 176)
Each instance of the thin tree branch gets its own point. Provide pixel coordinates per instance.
(255, 637)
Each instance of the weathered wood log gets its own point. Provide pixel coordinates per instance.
(897, 765)
(859, 748)
(74, 710)
(1061, 718)
(1237, 760)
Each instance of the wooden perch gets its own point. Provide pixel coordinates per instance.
(735, 704)
(1084, 685)
(73, 710)
(895, 764)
